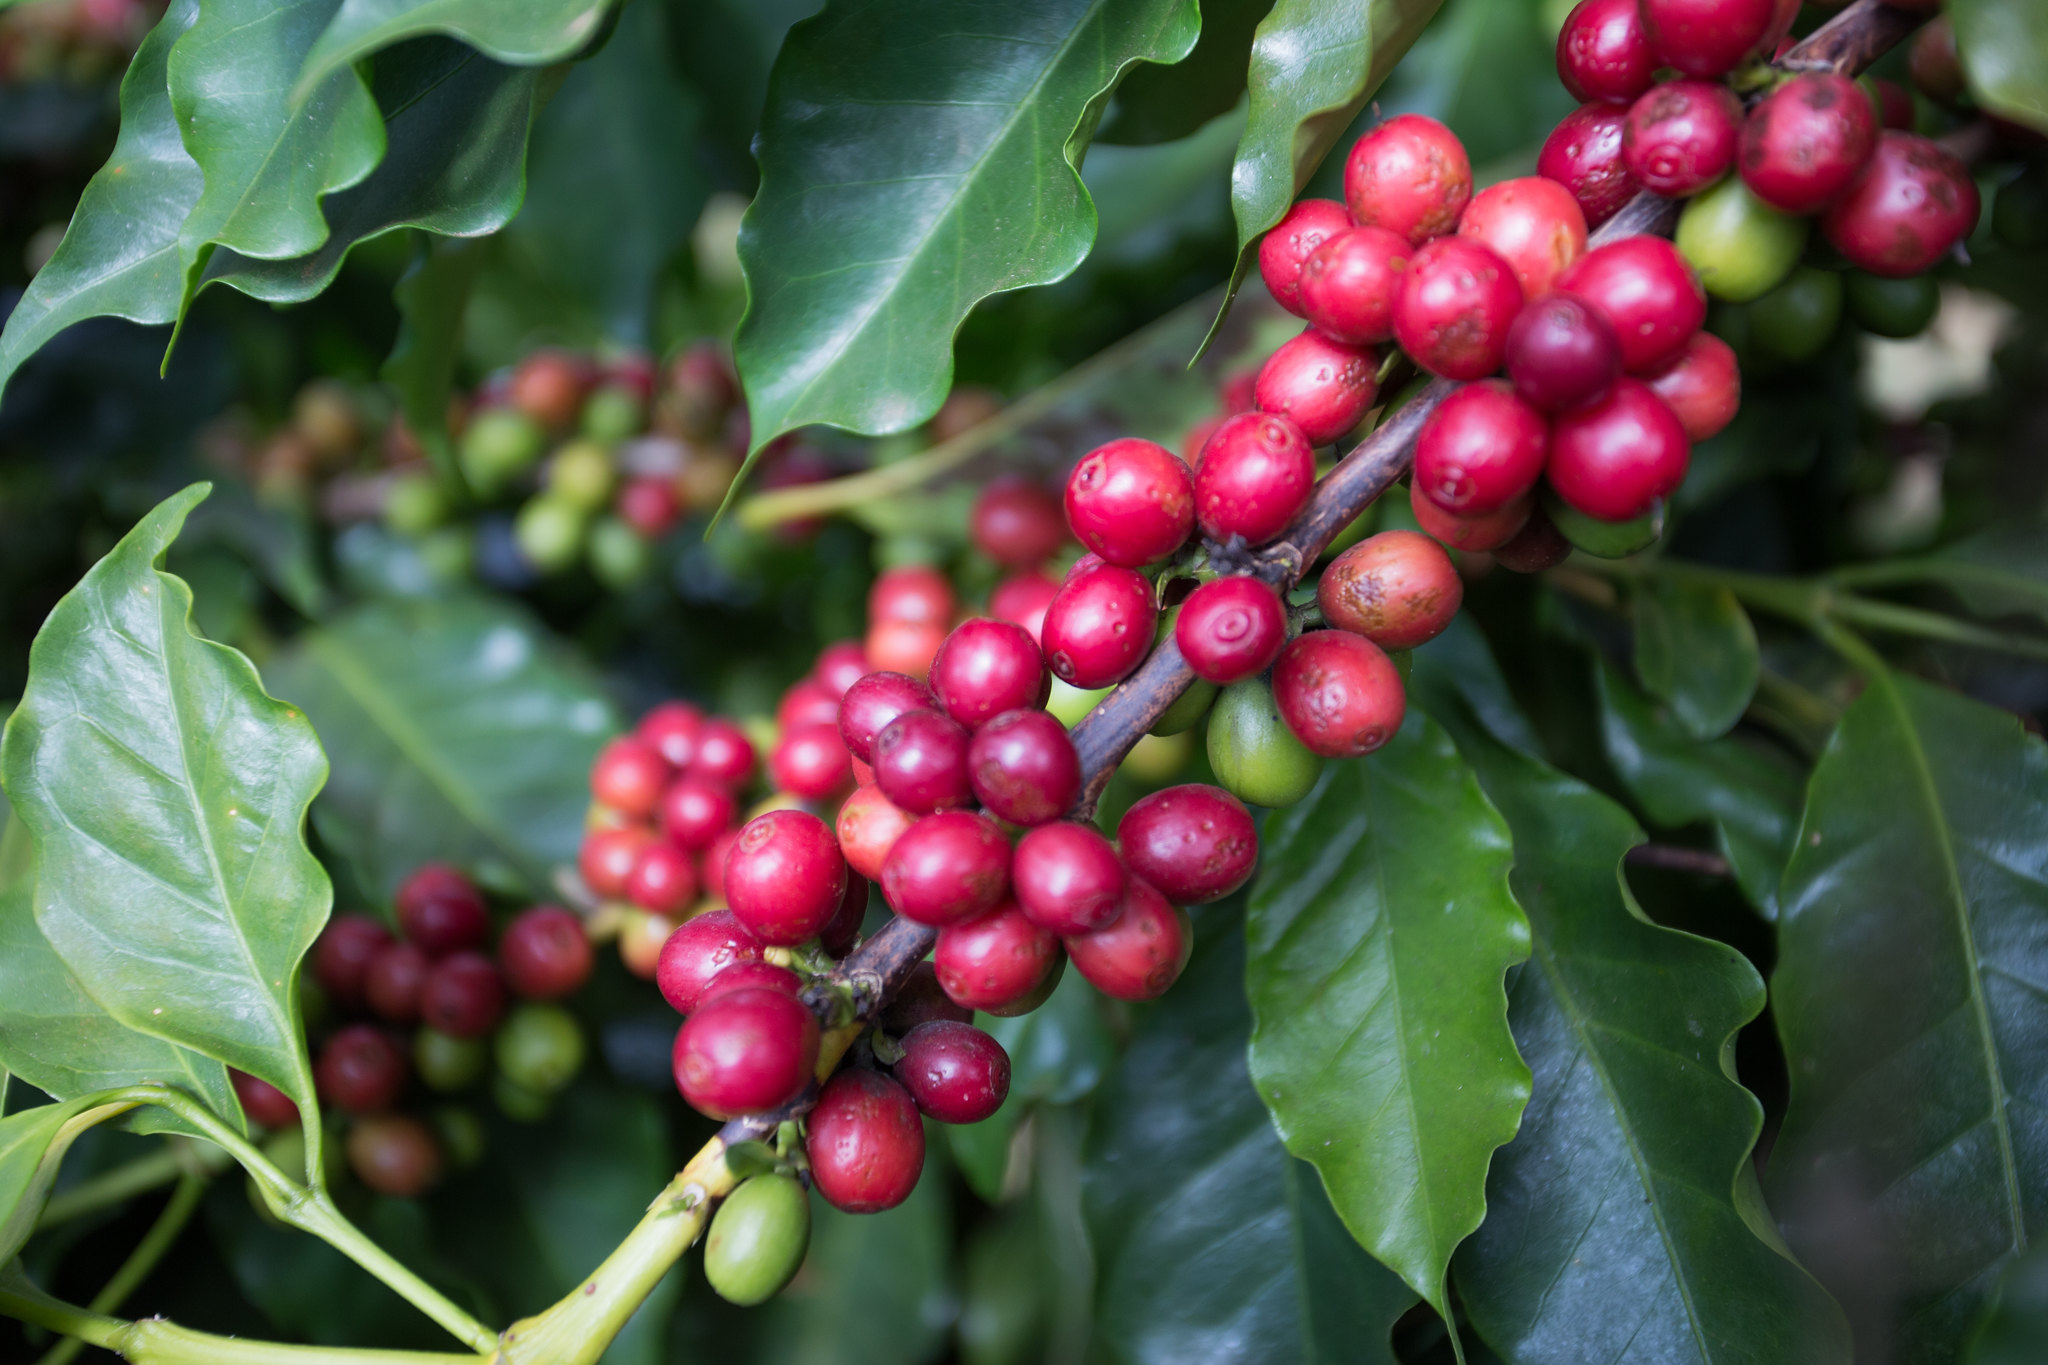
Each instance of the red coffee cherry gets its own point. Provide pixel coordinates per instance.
(1934, 64)
(921, 763)
(1531, 223)
(784, 876)
(1290, 242)
(1410, 176)
(1703, 386)
(1454, 306)
(441, 910)
(1681, 136)
(1193, 843)
(663, 879)
(264, 1103)
(463, 996)
(342, 954)
(955, 1072)
(904, 647)
(394, 1154)
(711, 863)
(1536, 547)
(1398, 589)
(1339, 693)
(912, 592)
(700, 948)
(811, 762)
(1480, 450)
(607, 857)
(751, 976)
(1021, 599)
(1257, 473)
(1562, 353)
(840, 665)
(1482, 532)
(921, 1000)
(805, 702)
(1583, 154)
(868, 826)
(1603, 53)
(1141, 954)
(1647, 291)
(866, 1142)
(1324, 386)
(544, 953)
(628, 777)
(1907, 208)
(744, 1051)
(391, 984)
(1100, 626)
(548, 386)
(360, 1070)
(1710, 37)
(1614, 459)
(724, 753)
(671, 729)
(947, 867)
(986, 668)
(649, 504)
(1131, 501)
(1895, 105)
(1016, 523)
(1023, 767)
(1067, 878)
(843, 930)
(1231, 629)
(1805, 141)
(994, 960)
(695, 810)
(872, 703)
(1347, 284)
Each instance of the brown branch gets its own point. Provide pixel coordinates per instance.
(1674, 858)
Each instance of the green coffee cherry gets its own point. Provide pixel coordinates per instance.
(448, 552)
(757, 1240)
(415, 505)
(1604, 539)
(518, 1103)
(1256, 757)
(540, 1047)
(1796, 320)
(499, 446)
(1740, 245)
(461, 1134)
(1892, 308)
(581, 474)
(446, 1063)
(1068, 704)
(613, 413)
(549, 532)
(619, 555)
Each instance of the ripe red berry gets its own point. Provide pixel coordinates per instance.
(1533, 224)
(1016, 523)
(1454, 306)
(1562, 353)
(947, 867)
(1100, 626)
(866, 1142)
(264, 1103)
(1131, 501)
(441, 910)
(994, 960)
(1022, 598)
(1805, 141)
(1647, 291)
(1480, 450)
(911, 592)
(1907, 208)
(1583, 154)
(695, 809)
(1023, 767)
(1067, 878)
(874, 701)
(1257, 473)
(1614, 459)
(342, 954)
(1291, 241)
(607, 857)
(868, 826)
(1141, 954)
(663, 879)
(650, 505)
(699, 949)
(748, 976)
(1482, 532)
(548, 386)
(394, 1154)
(784, 876)
(670, 729)
(986, 668)
(1603, 53)
(1703, 386)
(1710, 37)
(360, 1070)
(1326, 387)
(806, 702)
(1231, 629)
(1193, 843)
(1537, 546)
(842, 931)
(921, 1000)
(391, 985)
(955, 1072)
(724, 753)
(1347, 284)
(811, 762)
(744, 1051)
(1339, 693)
(904, 647)
(1410, 176)
(921, 763)
(840, 665)
(544, 953)
(1398, 589)
(463, 996)
(1681, 136)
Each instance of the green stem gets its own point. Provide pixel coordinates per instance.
(1932, 625)
(178, 1158)
(162, 1234)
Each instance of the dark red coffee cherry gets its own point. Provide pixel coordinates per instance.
(1454, 306)
(463, 996)
(700, 948)
(1583, 154)
(867, 826)
(744, 1051)
(1907, 208)
(1398, 589)
(1805, 141)
(843, 930)
(1410, 176)
(671, 730)
(1703, 386)
(1023, 767)
(1230, 629)
(441, 910)
(360, 1070)
(1935, 65)
(724, 753)
(994, 960)
(1614, 459)
(811, 762)
(872, 703)
(394, 1154)
(1257, 473)
(1681, 136)
(1142, 953)
(1347, 284)
(1100, 626)
(1562, 353)
(695, 809)
(921, 1000)
(1067, 878)
(1016, 523)
(391, 985)
(986, 668)
(1326, 387)
(1131, 501)
(1603, 53)
(1480, 450)
(1193, 843)
(806, 702)
(785, 876)
(1710, 38)
(1290, 242)
(607, 857)
(744, 976)
(865, 1141)
(921, 763)
(1339, 693)
(342, 954)
(544, 953)
(663, 879)
(628, 777)
(263, 1102)
(1647, 292)
(1539, 545)
(1482, 532)
(1021, 599)
(955, 1072)
(947, 867)
(912, 592)
(840, 665)
(1533, 224)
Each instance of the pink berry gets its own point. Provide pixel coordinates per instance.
(663, 879)
(745, 1051)
(955, 1072)
(606, 860)
(1709, 38)
(811, 762)
(1533, 224)
(1231, 629)
(724, 753)
(921, 763)
(1482, 532)
(916, 593)
(1907, 208)
(947, 867)
(874, 701)
(1804, 142)
(745, 976)
(1681, 137)
(1647, 292)
(1339, 693)
(1257, 473)
(866, 1142)
(1017, 523)
(264, 1103)
(1022, 598)
(1562, 353)
(784, 876)
(1067, 878)
(1583, 154)
(1410, 176)
(1703, 386)
(995, 959)
(1603, 53)
(699, 949)
(1454, 306)
(868, 826)
(342, 956)
(1480, 450)
(391, 985)
(1325, 386)
(1131, 501)
(1100, 625)
(1194, 843)
(1614, 459)
(806, 702)
(1024, 768)
(986, 668)
(544, 953)
(840, 665)
(1290, 242)
(695, 809)
(463, 996)
(360, 1070)
(671, 729)
(1141, 954)
(1347, 284)
(1398, 589)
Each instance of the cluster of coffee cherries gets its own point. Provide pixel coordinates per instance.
(429, 1003)
(78, 42)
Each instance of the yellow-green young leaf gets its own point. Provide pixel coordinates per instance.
(1912, 996)
(1380, 932)
(528, 33)
(32, 1146)
(2004, 47)
(1696, 651)
(166, 793)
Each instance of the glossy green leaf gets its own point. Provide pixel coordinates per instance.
(32, 1146)
(2017, 1327)
(1912, 996)
(1212, 1243)
(916, 158)
(1695, 651)
(1380, 931)
(529, 33)
(166, 793)
(2004, 47)
(459, 731)
(1166, 103)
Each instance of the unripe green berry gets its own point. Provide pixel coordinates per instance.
(549, 532)
(446, 1063)
(757, 1240)
(1892, 308)
(499, 446)
(448, 552)
(1740, 245)
(415, 504)
(1256, 757)
(581, 474)
(461, 1134)
(518, 1103)
(540, 1047)
(619, 555)
(1796, 320)
(613, 413)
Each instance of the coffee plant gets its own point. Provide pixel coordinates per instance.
(1099, 680)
